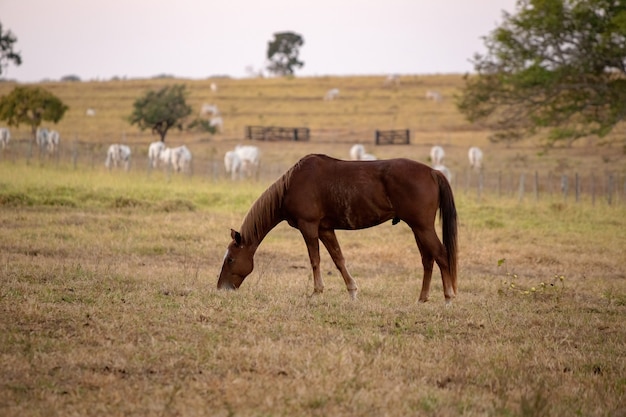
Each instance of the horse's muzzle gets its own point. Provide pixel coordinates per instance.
(226, 286)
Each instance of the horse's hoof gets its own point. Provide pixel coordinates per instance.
(316, 293)
(352, 294)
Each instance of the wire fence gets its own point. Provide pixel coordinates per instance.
(595, 187)
(608, 187)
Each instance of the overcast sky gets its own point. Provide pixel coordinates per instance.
(96, 39)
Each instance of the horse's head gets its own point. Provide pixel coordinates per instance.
(238, 263)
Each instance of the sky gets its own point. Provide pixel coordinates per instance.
(198, 39)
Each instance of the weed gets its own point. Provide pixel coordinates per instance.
(511, 285)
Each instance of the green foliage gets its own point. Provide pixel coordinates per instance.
(30, 106)
(202, 125)
(556, 65)
(283, 51)
(161, 110)
(7, 39)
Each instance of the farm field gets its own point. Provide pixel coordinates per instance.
(108, 302)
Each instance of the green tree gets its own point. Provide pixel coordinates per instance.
(30, 106)
(282, 53)
(556, 67)
(7, 39)
(161, 110)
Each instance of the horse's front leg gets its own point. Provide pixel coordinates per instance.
(309, 233)
(329, 239)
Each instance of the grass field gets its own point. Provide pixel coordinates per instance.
(108, 303)
(109, 306)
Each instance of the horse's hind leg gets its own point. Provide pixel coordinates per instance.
(432, 250)
(329, 239)
(427, 262)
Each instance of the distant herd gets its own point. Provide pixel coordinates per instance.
(242, 162)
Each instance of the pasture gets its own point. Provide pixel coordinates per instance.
(109, 304)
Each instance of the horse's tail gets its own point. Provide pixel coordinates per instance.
(447, 214)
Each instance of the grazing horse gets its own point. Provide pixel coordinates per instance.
(320, 194)
(118, 155)
(436, 155)
(5, 137)
(475, 158)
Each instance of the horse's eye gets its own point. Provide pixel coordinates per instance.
(230, 260)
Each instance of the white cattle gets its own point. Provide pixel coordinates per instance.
(210, 109)
(54, 139)
(5, 137)
(331, 94)
(47, 140)
(436, 155)
(444, 170)
(213, 88)
(154, 153)
(90, 112)
(232, 163)
(433, 95)
(41, 138)
(357, 153)
(178, 158)
(250, 157)
(118, 155)
(475, 156)
(217, 123)
(392, 80)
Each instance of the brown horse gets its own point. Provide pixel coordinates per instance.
(320, 194)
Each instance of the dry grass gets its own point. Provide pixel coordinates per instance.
(108, 306)
(108, 302)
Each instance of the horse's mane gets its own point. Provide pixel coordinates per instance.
(264, 213)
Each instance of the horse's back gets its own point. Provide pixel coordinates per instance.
(359, 194)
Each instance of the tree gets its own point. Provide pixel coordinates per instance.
(31, 105)
(7, 39)
(282, 53)
(160, 110)
(556, 67)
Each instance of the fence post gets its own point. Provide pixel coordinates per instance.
(564, 186)
(522, 180)
(74, 154)
(499, 184)
(593, 189)
(577, 187)
(480, 185)
(536, 186)
(610, 189)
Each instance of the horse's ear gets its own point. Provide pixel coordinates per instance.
(236, 236)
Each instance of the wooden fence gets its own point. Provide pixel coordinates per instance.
(277, 133)
(391, 137)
